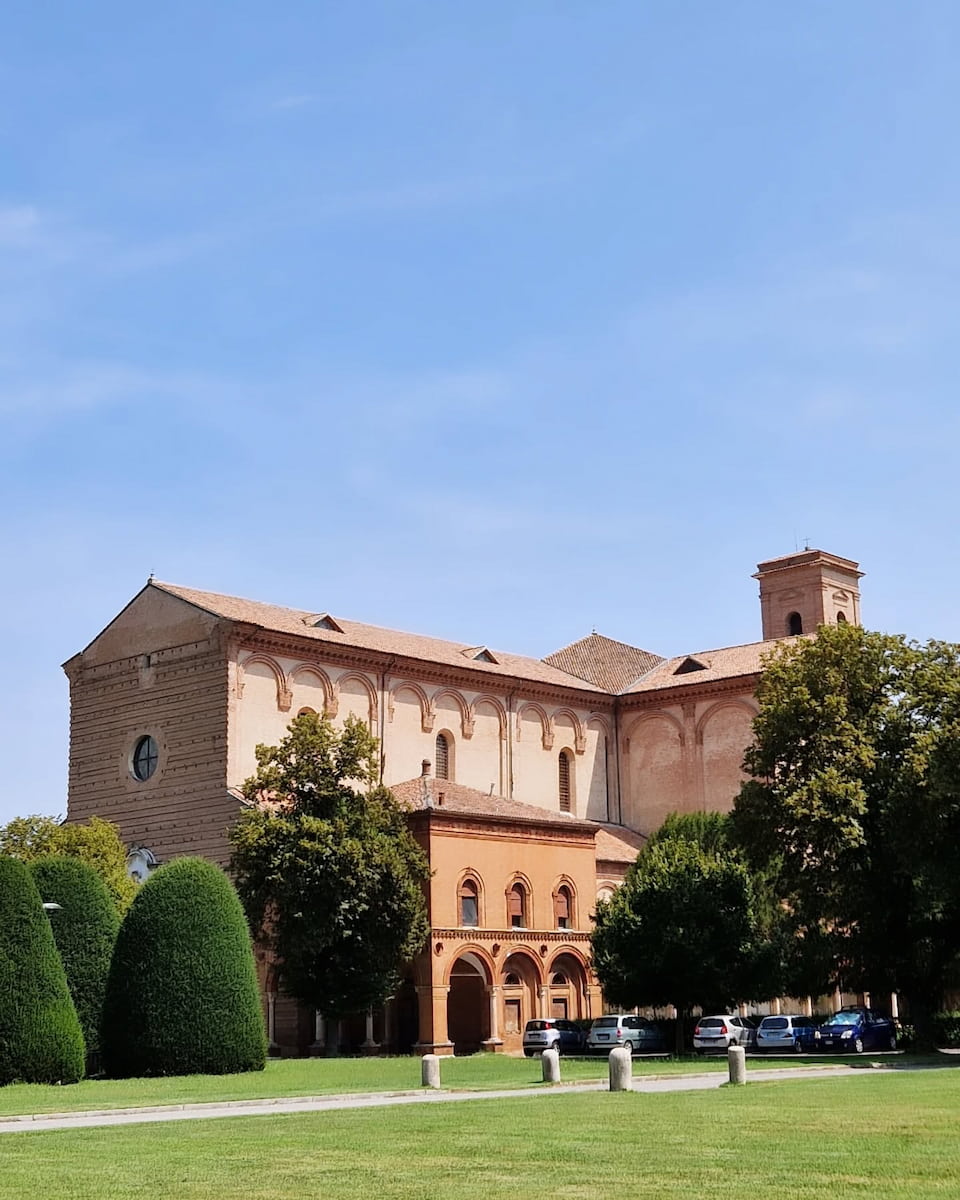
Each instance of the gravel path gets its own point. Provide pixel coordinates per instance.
(299, 1104)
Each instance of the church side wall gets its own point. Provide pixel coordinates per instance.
(497, 743)
(684, 756)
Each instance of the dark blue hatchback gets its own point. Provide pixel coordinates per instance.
(853, 1030)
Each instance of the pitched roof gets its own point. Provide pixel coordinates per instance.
(446, 796)
(615, 844)
(373, 637)
(729, 663)
(600, 660)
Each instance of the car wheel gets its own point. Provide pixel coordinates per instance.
(858, 1045)
(892, 1041)
(528, 1054)
(556, 1046)
(797, 1048)
(628, 1046)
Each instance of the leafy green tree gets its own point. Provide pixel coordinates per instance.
(330, 876)
(97, 843)
(182, 994)
(685, 928)
(40, 1036)
(854, 807)
(84, 929)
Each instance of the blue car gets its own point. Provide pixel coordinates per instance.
(853, 1030)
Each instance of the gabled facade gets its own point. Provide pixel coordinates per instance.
(549, 770)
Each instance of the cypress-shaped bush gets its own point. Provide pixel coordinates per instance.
(182, 993)
(40, 1036)
(84, 928)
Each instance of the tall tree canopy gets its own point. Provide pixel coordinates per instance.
(854, 805)
(97, 843)
(329, 874)
(687, 926)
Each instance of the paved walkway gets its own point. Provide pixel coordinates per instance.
(299, 1104)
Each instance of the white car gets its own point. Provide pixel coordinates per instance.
(723, 1031)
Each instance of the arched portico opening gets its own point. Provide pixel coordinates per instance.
(567, 987)
(521, 981)
(468, 1008)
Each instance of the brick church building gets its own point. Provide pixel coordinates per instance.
(531, 783)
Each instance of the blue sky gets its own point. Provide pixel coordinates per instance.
(499, 322)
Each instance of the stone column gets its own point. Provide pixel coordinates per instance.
(737, 1064)
(318, 1047)
(432, 1003)
(272, 1048)
(776, 1007)
(369, 1046)
(895, 1006)
(389, 1020)
(550, 1066)
(620, 1065)
(544, 1001)
(494, 1042)
(808, 1007)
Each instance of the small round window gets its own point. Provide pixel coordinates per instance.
(145, 758)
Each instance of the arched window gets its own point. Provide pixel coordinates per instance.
(841, 617)
(443, 756)
(517, 907)
(511, 979)
(307, 712)
(794, 624)
(565, 781)
(563, 907)
(559, 980)
(469, 903)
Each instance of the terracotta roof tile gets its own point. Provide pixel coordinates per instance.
(615, 844)
(728, 663)
(601, 660)
(468, 801)
(373, 637)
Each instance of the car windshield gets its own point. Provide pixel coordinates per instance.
(606, 1022)
(843, 1018)
(774, 1023)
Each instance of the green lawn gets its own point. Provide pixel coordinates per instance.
(320, 1076)
(880, 1134)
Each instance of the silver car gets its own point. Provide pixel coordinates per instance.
(723, 1031)
(786, 1032)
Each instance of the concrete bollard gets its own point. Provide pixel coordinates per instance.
(737, 1064)
(621, 1069)
(550, 1062)
(430, 1071)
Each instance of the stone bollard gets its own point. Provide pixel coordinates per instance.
(737, 1064)
(430, 1071)
(550, 1062)
(621, 1069)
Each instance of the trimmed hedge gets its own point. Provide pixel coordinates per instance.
(182, 994)
(85, 930)
(945, 1027)
(40, 1036)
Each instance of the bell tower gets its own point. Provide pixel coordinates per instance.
(801, 591)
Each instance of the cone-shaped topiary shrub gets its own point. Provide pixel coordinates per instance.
(40, 1037)
(85, 929)
(182, 994)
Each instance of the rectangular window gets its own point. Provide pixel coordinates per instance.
(468, 910)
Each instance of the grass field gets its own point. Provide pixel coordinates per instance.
(321, 1076)
(880, 1134)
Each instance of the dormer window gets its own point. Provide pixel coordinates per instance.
(480, 654)
(323, 621)
(690, 664)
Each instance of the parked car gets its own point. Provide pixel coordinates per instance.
(634, 1033)
(723, 1031)
(788, 1032)
(857, 1029)
(552, 1033)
